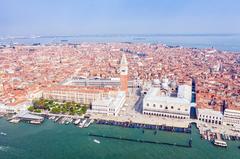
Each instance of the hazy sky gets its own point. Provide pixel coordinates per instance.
(75, 17)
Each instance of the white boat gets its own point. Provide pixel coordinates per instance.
(52, 117)
(89, 121)
(35, 122)
(77, 121)
(96, 141)
(14, 121)
(82, 123)
(63, 120)
(57, 119)
(3, 133)
(67, 121)
(220, 143)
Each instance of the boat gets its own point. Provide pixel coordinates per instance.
(82, 123)
(155, 132)
(52, 117)
(14, 121)
(220, 143)
(77, 121)
(239, 147)
(63, 120)
(88, 122)
(190, 142)
(96, 141)
(35, 122)
(3, 133)
(67, 121)
(57, 119)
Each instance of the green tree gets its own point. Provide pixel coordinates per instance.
(31, 108)
(55, 110)
(63, 110)
(37, 110)
(84, 109)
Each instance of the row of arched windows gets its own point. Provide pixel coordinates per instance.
(210, 121)
(165, 115)
(166, 107)
(208, 116)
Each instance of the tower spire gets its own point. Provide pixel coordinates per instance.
(124, 60)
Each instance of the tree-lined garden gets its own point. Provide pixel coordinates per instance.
(70, 108)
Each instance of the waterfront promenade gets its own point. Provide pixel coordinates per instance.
(144, 120)
(159, 121)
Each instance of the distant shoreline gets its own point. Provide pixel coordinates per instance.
(221, 42)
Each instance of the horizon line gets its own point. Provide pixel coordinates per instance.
(117, 34)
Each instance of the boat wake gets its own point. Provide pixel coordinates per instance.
(4, 148)
(3, 133)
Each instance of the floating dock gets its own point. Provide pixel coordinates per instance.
(143, 141)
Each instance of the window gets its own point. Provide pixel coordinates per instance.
(160, 106)
(186, 110)
(147, 104)
(166, 107)
(171, 107)
(154, 105)
(178, 109)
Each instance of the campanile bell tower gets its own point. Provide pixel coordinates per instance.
(124, 74)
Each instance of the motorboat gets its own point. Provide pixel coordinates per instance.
(96, 141)
(220, 143)
(3, 133)
(77, 121)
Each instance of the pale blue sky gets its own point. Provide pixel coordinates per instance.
(75, 17)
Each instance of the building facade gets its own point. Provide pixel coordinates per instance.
(102, 101)
(95, 82)
(110, 105)
(231, 117)
(209, 116)
(157, 102)
(77, 94)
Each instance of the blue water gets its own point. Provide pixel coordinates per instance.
(54, 141)
(224, 42)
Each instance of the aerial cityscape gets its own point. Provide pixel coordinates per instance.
(118, 95)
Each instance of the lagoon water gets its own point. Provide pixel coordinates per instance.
(224, 42)
(54, 141)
